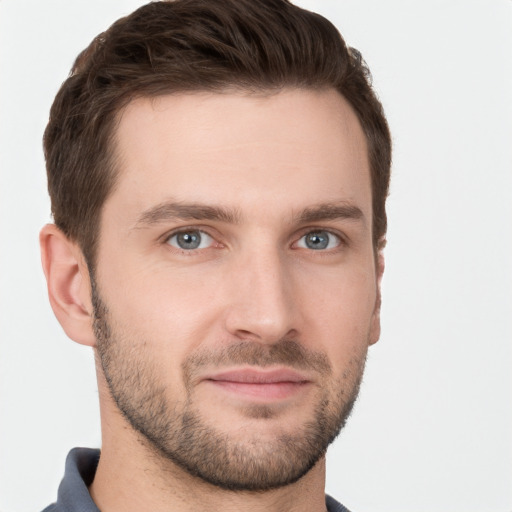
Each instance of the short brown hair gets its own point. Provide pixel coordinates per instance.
(195, 45)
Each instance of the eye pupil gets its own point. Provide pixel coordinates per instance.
(317, 240)
(188, 240)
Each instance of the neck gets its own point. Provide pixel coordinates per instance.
(131, 478)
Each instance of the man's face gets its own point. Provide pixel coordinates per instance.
(236, 289)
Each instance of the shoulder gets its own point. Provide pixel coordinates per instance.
(73, 494)
(52, 508)
(333, 505)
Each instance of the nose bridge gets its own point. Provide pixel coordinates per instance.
(262, 304)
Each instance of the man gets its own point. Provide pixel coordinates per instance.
(218, 174)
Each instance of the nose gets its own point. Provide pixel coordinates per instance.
(261, 304)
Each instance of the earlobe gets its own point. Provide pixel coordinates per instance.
(375, 325)
(68, 283)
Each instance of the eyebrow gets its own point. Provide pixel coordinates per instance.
(185, 211)
(330, 211)
(175, 211)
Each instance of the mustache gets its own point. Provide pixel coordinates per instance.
(285, 352)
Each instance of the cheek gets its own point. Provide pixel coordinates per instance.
(340, 312)
(168, 308)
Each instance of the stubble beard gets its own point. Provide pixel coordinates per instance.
(178, 433)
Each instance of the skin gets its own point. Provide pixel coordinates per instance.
(269, 161)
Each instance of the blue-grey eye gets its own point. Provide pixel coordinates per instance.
(190, 240)
(319, 240)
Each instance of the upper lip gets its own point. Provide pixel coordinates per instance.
(258, 376)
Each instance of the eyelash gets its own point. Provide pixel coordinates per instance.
(333, 237)
(341, 239)
(169, 236)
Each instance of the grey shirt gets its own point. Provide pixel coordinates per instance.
(81, 464)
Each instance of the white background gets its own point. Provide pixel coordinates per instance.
(432, 430)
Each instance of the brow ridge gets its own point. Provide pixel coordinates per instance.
(171, 210)
(331, 211)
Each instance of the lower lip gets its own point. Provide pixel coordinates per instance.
(262, 391)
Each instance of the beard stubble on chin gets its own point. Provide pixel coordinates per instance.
(177, 432)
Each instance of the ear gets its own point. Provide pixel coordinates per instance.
(69, 287)
(379, 267)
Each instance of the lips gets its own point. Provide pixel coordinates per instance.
(259, 384)
(256, 376)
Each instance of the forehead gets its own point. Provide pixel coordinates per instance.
(292, 148)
